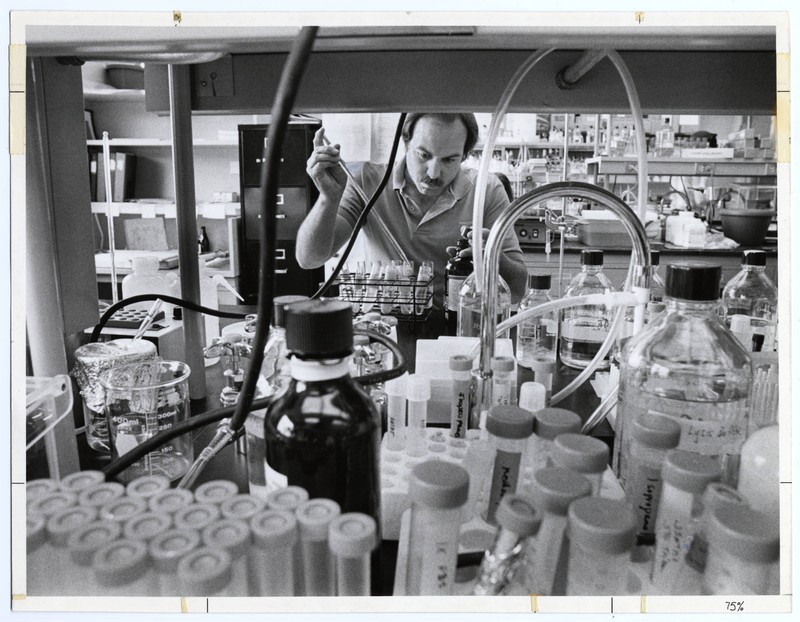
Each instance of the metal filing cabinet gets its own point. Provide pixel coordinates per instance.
(296, 196)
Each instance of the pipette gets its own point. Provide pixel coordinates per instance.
(349, 175)
(148, 320)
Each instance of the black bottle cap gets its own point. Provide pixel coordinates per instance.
(538, 281)
(655, 258)
(279, 308)
(592, 257)
(754, 258)
(320, 328)
(693, 280)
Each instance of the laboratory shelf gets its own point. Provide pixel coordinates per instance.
(605, 165)
(146, 209)
(161, 142)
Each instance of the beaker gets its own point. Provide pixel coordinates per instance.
(141, 400)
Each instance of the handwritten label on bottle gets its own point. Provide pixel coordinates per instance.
(438, 564)
(711, 437)
(644, 491)
(504, 480)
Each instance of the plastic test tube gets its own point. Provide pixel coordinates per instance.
(170, 501)
(548, 423)
(552, 492)
(215, 491)
(438, 491)
(80, 480)
(601, 535)
(123, 509)
(204, 572)
(100, 494)
(196, 516)
(351, 538)
(83, 543)
(232, 535)
(147, 486)
(121, 569)
(509, 427)
(289, 499)
(418, 392)
(583, 454)
(274, 535)
(147, 526)
(166, 551)
(685, 475)
(314, 518)
(396, 412)
(460, 404)
(744, 548)
(59, 528)
(504, 380)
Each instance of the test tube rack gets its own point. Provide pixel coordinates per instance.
(389, 296)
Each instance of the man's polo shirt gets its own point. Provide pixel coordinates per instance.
(421, 238)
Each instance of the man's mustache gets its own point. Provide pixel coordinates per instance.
(431, 182)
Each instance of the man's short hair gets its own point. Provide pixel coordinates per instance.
(467, 118)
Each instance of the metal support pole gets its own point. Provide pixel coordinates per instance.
(186, 217)
(569, 76)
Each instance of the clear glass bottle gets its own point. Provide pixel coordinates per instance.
(469, 306)
(585, 328)
(537, 338)
(275, 370)
(750, 300)
(323, 432)
(689, 367)
(654, 306)
(665, 140)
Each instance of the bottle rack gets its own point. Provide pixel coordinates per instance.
(389, 296)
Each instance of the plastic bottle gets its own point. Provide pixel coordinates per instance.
(537, 338)
(469, 306)
(209, 297)
(509, 428)
(750, 300)
(601, 535)
(743, 552)
(689, 367)
(504, 380)
(585, 328)
(438, 491)
(652, 436)
(759, 471)
(665, 140)
(146, 278)
(456, 271)
(685, 475)
(351, 538)
(583, 454)
(323, 432)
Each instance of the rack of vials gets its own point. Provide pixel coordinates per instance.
(89, 537)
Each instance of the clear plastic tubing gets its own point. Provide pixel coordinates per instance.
(80, 480)
(744, 546)
(100, 494)
(652, 436)
(352, 537)
(233, 536)
(147, 486)
(274, 535)
(123, 509)
(170, 501)
(549, 423)
(204, 572)
(460, 406)
(121, 569)
(552, 492)
(601, 535)
(196, 516)
(38, 568)
(83, 543)
(509, 427)
(147, 526)
(418, 392)
(504, 380)
(215, 491)
(685, 475)
(314, 518)
(583, 454)
(60, 526)
(166, 550)
(396, 412)
(438, 491)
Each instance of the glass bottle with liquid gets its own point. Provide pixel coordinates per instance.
(665, 140)
(585, 328)
(689, 367)
(469, 306)
(537, 338)
(751, 304)
(456, 271)
(323, 432)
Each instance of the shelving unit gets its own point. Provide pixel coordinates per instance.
(159, 142)
(146, 209)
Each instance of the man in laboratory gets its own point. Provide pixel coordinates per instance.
(427, 200)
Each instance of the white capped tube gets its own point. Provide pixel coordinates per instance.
(121, 569)
(274, 535)
(289, 499)
(204, 572)
(60, 526)
(85, 541)
(504, 380)
(233, 536)
(123, 509)
(100, 494)
(418, 392)
(460, 405)
(242, 506)
(196, 516)
(314, 518)
(36, 488)
(352, 537)
(147, 486)
(215, 491)
(80, 480)
(147, 526)
(583, 454)
(51, 502)
(38, 567)
(396, 412)
(532, 396)
(166, 551)
(170, 501)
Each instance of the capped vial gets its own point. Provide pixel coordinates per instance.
(601, 535)
(100, 494)
(75, 482)
(170, 501)
(532, 396)
(215, 491)
(196, 516)
(418, 392)
(36, 488)
(205, 572)
(583, 454)
(242, 506)
(460, 406)
(504, 380)
(38, 550)
(121, 569)
(49, 503)
(352, 537)
(548, 423)
(147, 526)
(396, 412)
(233, 536)
(60, 526)
(274, 535)
(147, 485)
(288, 498)
(166, 550)
(314, 518)
(123, 509)
(85, 541)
